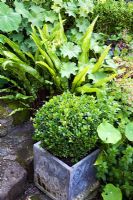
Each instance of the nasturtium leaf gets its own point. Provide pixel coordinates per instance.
(68, 68)
(9, 20)
(129, 131)
(111, 193)
(108, 133)
(70, 50)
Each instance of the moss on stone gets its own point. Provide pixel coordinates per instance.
(7, 107)
(3, 112)
(20, 116)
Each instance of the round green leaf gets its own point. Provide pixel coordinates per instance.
(9, 20)
(108, 133)
(129, 131)
(111, 193)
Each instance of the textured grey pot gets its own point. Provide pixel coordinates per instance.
(60, 181)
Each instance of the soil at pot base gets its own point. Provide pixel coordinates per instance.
(60, 181)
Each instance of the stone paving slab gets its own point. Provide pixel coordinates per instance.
(12, 179)
(16, 156)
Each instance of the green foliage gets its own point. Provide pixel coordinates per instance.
(129, 131)
(117, 168)
(21, 79)
(9, 20)
(79, 13)
(67, 124)
(115, 162)
(63, 59)
(121, 89)
(38, 12)
(108, 134)
(66, 69)
(114, 16)
(111, 192)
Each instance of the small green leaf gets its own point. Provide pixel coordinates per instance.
(111, 193)
(129, 131)
(68, 68)
(50, 16)
(19, 7)
(9, 20)
(97, 76)
(82, 23)
(70, 50)
(108, 133)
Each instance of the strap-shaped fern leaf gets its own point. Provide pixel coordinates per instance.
(79, 78)
(85, 44)
(101, 60)
(14, 47)
(12, 82)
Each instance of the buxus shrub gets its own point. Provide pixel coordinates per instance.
(67, 124)
(114, 16)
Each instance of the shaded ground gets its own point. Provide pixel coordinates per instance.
(32, 193)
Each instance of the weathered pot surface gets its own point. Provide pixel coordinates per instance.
(60, 181)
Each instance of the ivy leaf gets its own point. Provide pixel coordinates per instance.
(70, 50)
(68, 68)
(108, 133)
(129, 131)
(9, 20)
(111, 192)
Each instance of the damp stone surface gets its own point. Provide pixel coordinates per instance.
(16, 158)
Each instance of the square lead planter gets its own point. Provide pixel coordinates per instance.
(60, 181)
